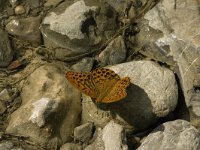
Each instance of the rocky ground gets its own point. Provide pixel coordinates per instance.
(156, 43)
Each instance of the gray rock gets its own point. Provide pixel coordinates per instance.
(111, 137)
(51, 102)
(97, 143)
(52, 3)
(14, 2)
(2, 107)
(152, 87)
(70, 146)
(76, 14)
(91, 113)
(178, 134)
(26, 29)
(6, 145)
(83, 133)
(64, 28)
(84, 65)
(182, 43)
(35, 3)
(6, 52)
(5, 96)
(114, 53)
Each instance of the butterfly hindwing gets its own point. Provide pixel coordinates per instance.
(82, 81)
(117, 93)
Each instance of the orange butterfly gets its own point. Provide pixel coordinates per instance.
(103, 84)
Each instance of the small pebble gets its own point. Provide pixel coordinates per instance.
(14, 2)
(19, 10)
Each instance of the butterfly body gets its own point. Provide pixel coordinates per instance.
(102, 84)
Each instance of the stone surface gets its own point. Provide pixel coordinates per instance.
(19, 10)
(111, 137)
(50, 3)
(180, 28)
(178, 134)
(6, 52)
(84, 65)
(5, 95)
(6, 145)
(48, 102)
(26, 29)
(76, 13)
(152, 87)
(83, 133)
(63, 28)
(2, 107)
(70, 146)
(114, 53)
(97, 143)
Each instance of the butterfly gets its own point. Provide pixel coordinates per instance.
(102, 84)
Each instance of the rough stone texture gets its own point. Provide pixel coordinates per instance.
(91, 113)
(152, 93)
(2, 107)
(58, 31)
(111, 137)
(6, 52)
(178, 134)
(83, 133)
(26, 29)
(49, 105)
(84, 65)
(179, 22)
(76, 14)
(6, 145)
(114, 53)
(97, 143)
(70, 146)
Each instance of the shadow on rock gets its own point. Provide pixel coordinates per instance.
(135, 109)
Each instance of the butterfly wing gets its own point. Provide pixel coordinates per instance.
(117, 93)
(104, 78)
(82, 81)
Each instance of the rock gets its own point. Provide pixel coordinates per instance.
(91, 113)
(35, 3)
(84, 65)
(6, 145)
(76, 14)
(2, 107)
(50, 3)
(114, 53)
(111, 137)
(6, 52)
(84, 132)
(70, 146)
(20, 10)
(26, 29)
(178, 134)
(14, 2)
(181, 43)
(5, 96)
(53, 107)
(97, 143)
(152, 87)
(58, 31)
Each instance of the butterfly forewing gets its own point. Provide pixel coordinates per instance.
(118, 91)
(102, 78)
(82, 81)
